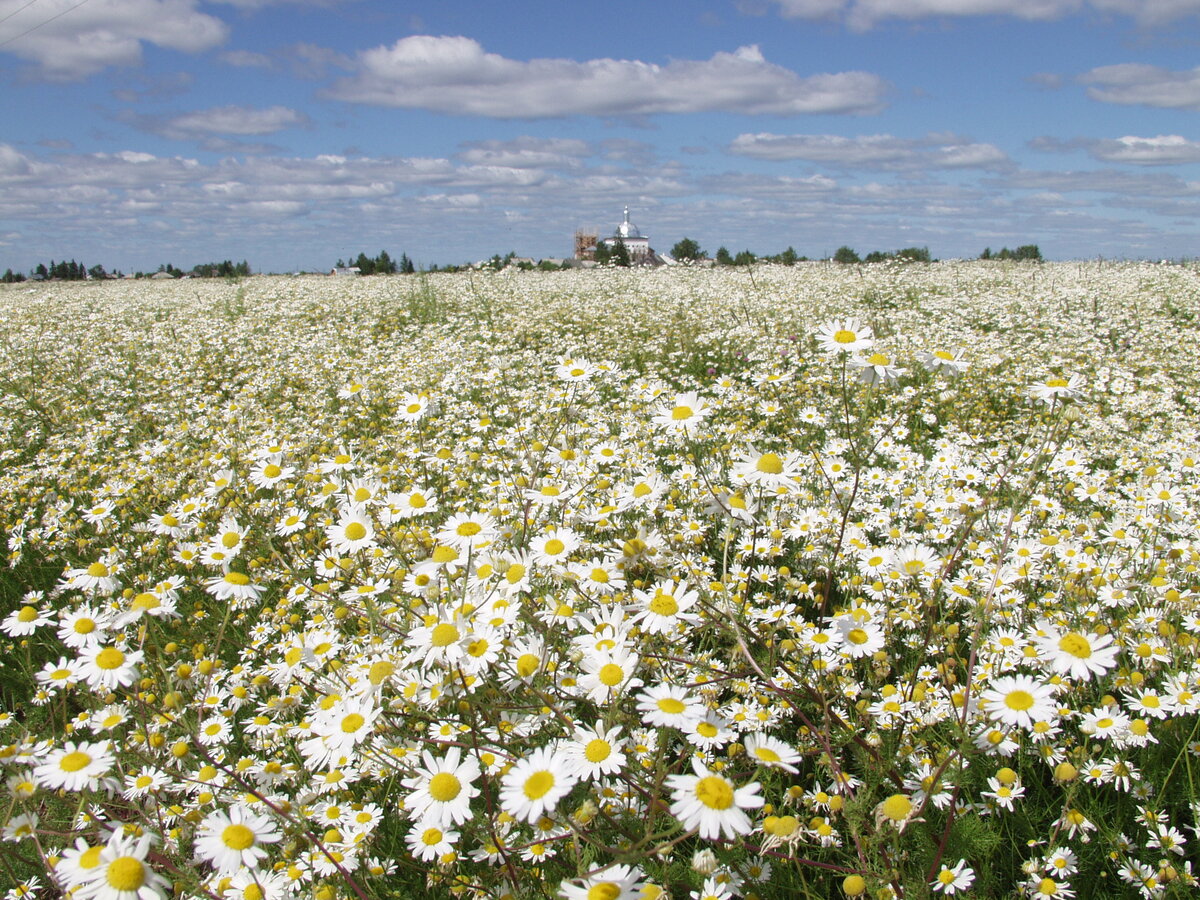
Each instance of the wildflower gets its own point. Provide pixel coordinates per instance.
(596, 752)
(534, 785)
(609, 674)
(941, 360)
(234, 586)
(231, 839)
(121, 872)
(352, 532)
(664, 608)
(953, 879)
(844, 336)
(1057, 387)
(75, 767)
(24, 621)
(877, 368)
(427, 841)
(109, 666)
(771, 752)
(683, 415)
(711, 804)
(1019, 701)
(668, 705)
(1078, 654)
(442, 790)
(616, 882)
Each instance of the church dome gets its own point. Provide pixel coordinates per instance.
(627, 229)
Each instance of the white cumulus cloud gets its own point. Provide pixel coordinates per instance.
(67, 41)
(877, 151)
(243, 120)
(456, 75)
(863, 14)
(1140, 84)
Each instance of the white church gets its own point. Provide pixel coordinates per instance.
(636, 243)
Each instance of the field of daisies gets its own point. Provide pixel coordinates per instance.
(801, 582)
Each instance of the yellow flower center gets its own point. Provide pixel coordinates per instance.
(469, 529)
(444, 635)
(27, 614)
(1019, 700)
(444, 787)
(769, 464)
(766, 754)
(844, 336)
(125, 873)
(878, 359)
(356, 531)
(444, 554)
(352, 723)
(896, 807)
(611, 674)
(680, 413)
(664, 604)
(857, 636)
(84, 626)
(605, 890)
(1075, 644)
(539, 784)
(671, 706)
(272, 471)
(98, 570)
(527, 664)
(237, 837)
(110, 658)
(75, 761)
(554, 546)
(597, 750)
(239, 578)
(714, 792)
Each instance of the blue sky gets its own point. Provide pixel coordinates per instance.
(138, 132)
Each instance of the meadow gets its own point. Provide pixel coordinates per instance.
(808, 581)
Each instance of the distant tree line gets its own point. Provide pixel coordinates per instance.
(76, 271)
(688, 250)
(1024, 252)
(382, 264)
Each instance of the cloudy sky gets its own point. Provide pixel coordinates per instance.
(292, 132)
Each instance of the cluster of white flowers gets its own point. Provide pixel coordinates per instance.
(334, 593)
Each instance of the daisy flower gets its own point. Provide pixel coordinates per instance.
(1056, 387)
(769, 469)
(1019, 701)
(771, 752)
(24, 621)
(75, 767)
(109, 666)
(683, 415)
(607, 674)
(442, 789)
(942, 360)
(428, 842)
(617, 882)
(534, 785)
(231, 839)
(711, 804)
(466, 530)
(664, 608)
(554, 548)
(596, 752)
(953, 879)
(1078, 654)
(844, 336)
(352, 532)
(233, 586)
(878, 368)
(120, 873)
(668, 705)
